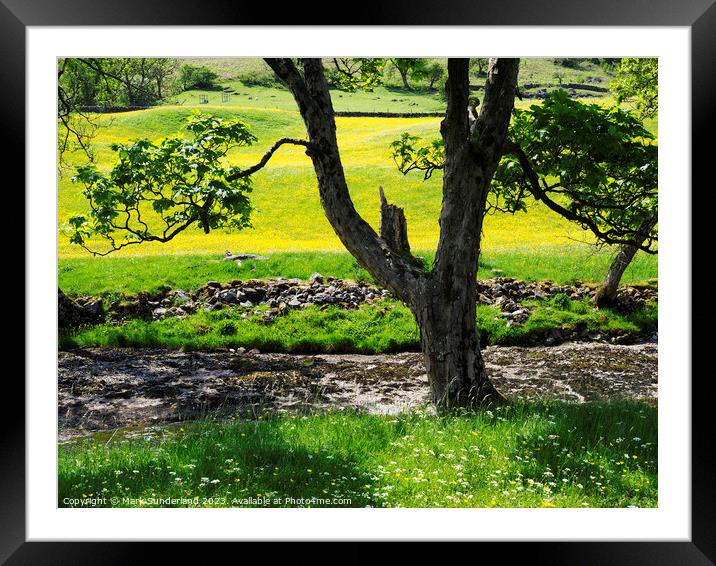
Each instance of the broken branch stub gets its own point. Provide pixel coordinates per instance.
(393, 227)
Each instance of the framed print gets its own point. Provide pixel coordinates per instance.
(229, 366)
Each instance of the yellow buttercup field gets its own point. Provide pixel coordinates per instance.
(288, 214)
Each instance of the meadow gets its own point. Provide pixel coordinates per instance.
(518, 455)
(114, 276)
(288, 214)
(289, 224)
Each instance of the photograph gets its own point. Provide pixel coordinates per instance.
(357, 282)
(420, 276)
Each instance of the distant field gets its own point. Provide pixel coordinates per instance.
(288, 213)
(532, 70)
(383, 99)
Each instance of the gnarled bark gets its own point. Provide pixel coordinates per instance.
(443, 301)
(451, 346)
(310, 90)
(447, 313)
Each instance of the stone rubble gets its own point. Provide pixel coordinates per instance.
(72, 313)
(283, 295)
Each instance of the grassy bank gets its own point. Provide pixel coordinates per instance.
(386, 327)
(520, 455)
(98, 276)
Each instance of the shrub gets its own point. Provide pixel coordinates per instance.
(196, 76)
(569, 63)
(227, 329)
(256, 78)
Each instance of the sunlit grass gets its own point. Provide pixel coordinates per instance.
(387, 326)
(131, 274)
(526, 454)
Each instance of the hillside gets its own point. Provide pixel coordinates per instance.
(288, 215)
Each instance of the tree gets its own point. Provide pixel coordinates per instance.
(479, 65)
(85, 82)
(434, 73)
(77, 86)
(132, 81)
(606, 295)
(196, 76)
(156, 191)
(637, 82)
(569, 62)
(604, 167)
(443, 300)
(609, 64)
(410, 68)
(592, 165)
(360, 73)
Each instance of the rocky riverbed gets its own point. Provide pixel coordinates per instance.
(104, 389)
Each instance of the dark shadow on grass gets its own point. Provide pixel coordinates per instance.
(266, 462)
(413, 90)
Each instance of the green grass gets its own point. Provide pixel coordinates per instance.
(385, 327)
(382, 99)
(128, 275)
(370, 329)
(532, 70)
(527, 454)
(564, 315)
(543, 70)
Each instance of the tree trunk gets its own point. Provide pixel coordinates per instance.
(606, 295)
(404, 76)
(451, 348)
(446, 313)
(443, 301)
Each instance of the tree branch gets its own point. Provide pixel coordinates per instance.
(455, 125)
(265, 159)
(540, 194)
(162, 239)
(490, 130)
(471, 159)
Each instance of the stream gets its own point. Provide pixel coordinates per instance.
(101, 389)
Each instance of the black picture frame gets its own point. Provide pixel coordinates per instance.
(699, 15)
